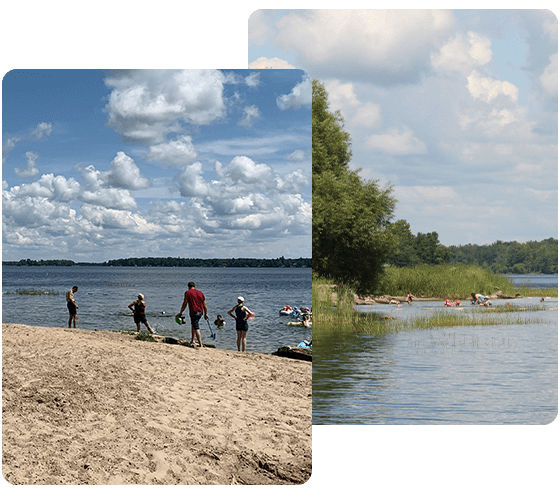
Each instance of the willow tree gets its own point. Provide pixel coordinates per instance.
(351, 216)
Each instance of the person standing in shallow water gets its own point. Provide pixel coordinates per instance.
(72, 306)
(241, 316)
(196, 302)
(138, 307)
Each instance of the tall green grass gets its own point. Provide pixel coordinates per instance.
(333, 312)
(442, 281)
(446, 281)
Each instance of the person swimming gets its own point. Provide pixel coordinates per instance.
(219, 322)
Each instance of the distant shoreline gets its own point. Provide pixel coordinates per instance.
(176, 262)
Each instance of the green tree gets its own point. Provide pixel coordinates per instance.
(350, 215)
(404, 253)
(429, 250)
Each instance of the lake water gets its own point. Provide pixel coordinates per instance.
(452, 375)
(105, 293)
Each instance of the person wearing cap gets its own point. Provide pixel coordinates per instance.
(196, 302)
(72, 306)
(241, 316)
(138, 308)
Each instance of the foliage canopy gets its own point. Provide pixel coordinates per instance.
(350, 215)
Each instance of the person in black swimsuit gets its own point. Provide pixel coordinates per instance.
(241, 316)
(139, 309)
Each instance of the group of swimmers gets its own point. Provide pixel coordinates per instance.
(195, 301)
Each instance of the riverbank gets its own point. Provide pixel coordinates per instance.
(100, 407)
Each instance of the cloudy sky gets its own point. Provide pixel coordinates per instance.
(458, 110)
(99, 165)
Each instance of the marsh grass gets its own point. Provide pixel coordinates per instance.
(442, 281)
(534, 292)
(454, 282)
(333, 313)
(512, 309)
(34, 292)
(444, 318)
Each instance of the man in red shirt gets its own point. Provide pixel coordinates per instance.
(196, 302)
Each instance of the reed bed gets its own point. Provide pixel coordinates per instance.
(34, 292)
(442, 281)
(455, 282)
(534, 292)
(333, 313)
(445, 318)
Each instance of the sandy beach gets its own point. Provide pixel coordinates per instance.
(100, 407)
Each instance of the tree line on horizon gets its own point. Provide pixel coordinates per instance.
(177, 262)
(499, 257)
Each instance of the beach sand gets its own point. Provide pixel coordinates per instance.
(100, 407)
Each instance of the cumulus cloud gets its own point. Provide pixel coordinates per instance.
(299, 96)
(56, 188)
(463, 53)
(379, 46)
(111, 198)
(175, 153)
(487, 89)
(125, 174)
(549, 78)
(250, 114)
(190, 181)
(96, 188)
(147, 105)
(243, 169)
(30, 169)
(397, 142)
(341, 95)
(270, 63)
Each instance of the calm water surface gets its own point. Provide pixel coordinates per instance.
(453, 375)
(105, 293)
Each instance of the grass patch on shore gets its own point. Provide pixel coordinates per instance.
(34, 292)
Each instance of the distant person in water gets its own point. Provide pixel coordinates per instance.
(219, 322)
(409, 297)
(72, 306)
(241, 316)
(478, 298)
(138, 308)
(196, 302)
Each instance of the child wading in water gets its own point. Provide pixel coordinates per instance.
(138, 307)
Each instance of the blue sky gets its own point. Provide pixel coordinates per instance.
(457, 110)
(100, 165)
